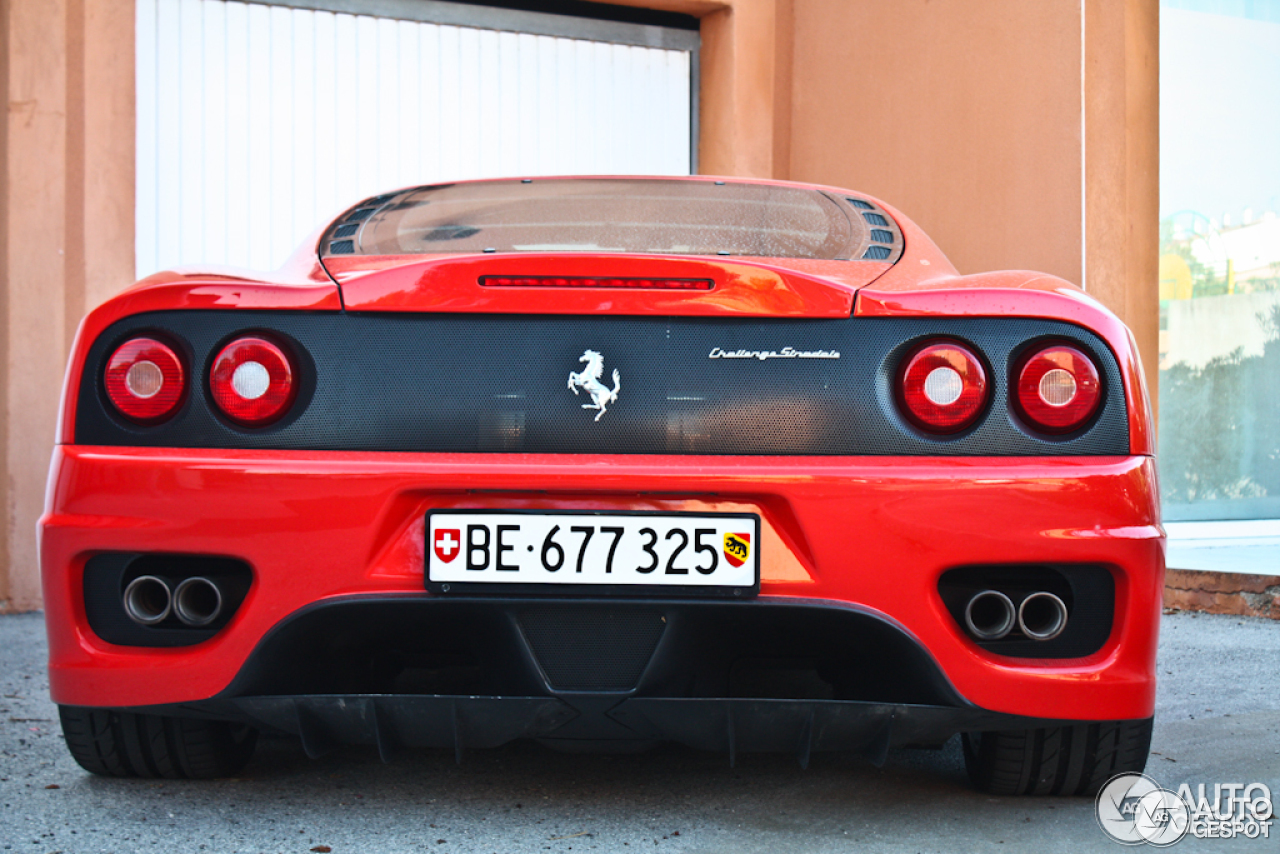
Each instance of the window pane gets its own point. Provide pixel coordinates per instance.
(1220, 259)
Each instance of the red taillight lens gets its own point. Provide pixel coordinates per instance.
(1058, 389)
(595, 282)
(252, 381)
(145, 380)
(943, 387)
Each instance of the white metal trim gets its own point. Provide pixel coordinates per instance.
(505, 20)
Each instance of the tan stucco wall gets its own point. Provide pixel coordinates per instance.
(35, 243)
(1019, 134)
(66, 230)
(1122, 159)
(965, 115)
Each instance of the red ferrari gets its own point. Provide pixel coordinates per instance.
(607, 462)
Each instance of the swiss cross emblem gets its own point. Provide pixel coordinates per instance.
(737, 548)
(448, 543)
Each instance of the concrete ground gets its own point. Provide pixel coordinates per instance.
(1217, 720)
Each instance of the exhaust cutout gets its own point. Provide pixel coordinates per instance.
(990, 615)
(1042, 616)
(197, 601)
(147, 600)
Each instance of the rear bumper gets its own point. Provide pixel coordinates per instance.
(867, 537)
(729, 725)
(771, 675)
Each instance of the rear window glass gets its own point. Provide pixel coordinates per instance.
(601, 215)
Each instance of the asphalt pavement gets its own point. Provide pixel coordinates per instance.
(1217, 720)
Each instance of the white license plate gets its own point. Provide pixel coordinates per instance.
(679, 550)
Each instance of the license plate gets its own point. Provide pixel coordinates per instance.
(613, 549)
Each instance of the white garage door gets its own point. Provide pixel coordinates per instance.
(258, 121)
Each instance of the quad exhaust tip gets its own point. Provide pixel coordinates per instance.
(1042, 616)
(148, 600)
(197, 601)
(990, 615)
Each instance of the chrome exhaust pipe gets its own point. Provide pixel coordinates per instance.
(197, 601)
(990, 615)
(147, 600)
(1042, 616)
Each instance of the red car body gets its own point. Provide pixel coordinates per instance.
(871, 533)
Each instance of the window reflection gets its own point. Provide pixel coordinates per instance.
(1220, 259)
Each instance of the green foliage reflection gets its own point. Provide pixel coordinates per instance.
(1220, 425)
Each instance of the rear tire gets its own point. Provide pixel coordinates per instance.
(1069, 760)
(126, 744)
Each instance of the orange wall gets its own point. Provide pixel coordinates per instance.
(66, 231)
(965, 114)
(1122, 159)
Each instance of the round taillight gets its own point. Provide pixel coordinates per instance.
(253, 381)
(145, 380)
(943, 387)
(1058, 389)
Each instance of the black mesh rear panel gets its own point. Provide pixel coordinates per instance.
(500, 383)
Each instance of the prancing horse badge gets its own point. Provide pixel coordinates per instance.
(588, 379)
